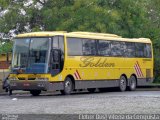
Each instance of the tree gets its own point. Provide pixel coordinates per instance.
(5, 47)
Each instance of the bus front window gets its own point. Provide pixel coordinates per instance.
(31, 54)
(20, 53)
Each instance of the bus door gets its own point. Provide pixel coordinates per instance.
(57, 55)
(55, 62)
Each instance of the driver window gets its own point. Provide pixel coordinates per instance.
(55, 43)
(57, 64)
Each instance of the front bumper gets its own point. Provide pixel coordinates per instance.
(35, 85)
(28, 85)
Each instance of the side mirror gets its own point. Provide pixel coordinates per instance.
(56, 55)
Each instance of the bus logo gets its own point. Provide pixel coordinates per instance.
(138, 70)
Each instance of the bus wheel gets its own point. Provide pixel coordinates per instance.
(91, 90)
(133, 83)
(68, 86)
(35, 92)
(122, 84)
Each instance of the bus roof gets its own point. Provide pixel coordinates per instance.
(41, 34)
(91, 35)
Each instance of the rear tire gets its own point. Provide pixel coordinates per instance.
(91, 90)
(132, 83)
(35, 92)
(122, 84)
(68, 87)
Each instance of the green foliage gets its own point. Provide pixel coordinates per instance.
(128, 18)
(6, 47)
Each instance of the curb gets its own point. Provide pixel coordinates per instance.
(14, 93)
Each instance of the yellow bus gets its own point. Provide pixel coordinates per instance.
(61, 61)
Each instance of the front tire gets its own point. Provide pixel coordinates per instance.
(68, 86)
(133, 83)
(122, 84)
(35, 92)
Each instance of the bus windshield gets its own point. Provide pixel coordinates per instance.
(31, 55)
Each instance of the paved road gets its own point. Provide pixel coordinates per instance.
(137, 102)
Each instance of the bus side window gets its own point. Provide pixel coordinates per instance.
(123, 48)
(61, 47)
(140, 49)
(89, 47)
(74, 46)
(147, 51)
(61, 43)
(55, 42)
(104, 48)
(130, 49)
(117, 48)
(57, 56)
